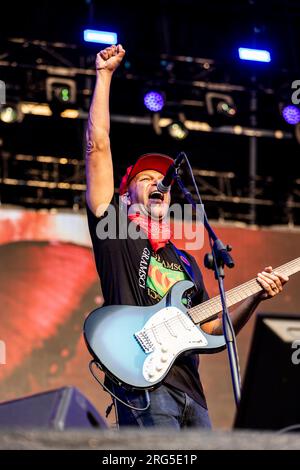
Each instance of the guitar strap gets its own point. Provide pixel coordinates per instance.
(185, 263)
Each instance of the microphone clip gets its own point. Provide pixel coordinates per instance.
(164, 185)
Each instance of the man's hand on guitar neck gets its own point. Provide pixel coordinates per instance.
(271, 282)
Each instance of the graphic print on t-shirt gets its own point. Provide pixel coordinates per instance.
(162, 275)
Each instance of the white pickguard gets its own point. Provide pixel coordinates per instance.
(170, 332)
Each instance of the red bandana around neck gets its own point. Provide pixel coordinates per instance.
(159, 233)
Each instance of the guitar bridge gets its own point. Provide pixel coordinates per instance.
(144, 341)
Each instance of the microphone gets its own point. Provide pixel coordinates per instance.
(164, 185)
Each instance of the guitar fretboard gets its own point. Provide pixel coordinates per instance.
(203, 312)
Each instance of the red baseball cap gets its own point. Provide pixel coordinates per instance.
(149, 161)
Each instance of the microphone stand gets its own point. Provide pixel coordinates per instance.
(216, 260)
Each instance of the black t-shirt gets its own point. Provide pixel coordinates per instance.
(124, 266)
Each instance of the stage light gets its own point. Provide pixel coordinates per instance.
(197, 126)
(62, 90)
(70, 114)
(154, 100)
(291, 114)
(10, 114)
(177, 130)
(60, 93)
(38, 109)
(256, 55)
(220, 104)
(101, 37)
(225, 108)
(64, 94)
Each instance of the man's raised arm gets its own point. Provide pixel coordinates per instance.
(99, 167)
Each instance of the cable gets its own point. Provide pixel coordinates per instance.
(288, 428)
(193, 178)
(115, 396)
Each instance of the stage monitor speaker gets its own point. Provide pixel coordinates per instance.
(271, 388)
(56, 409)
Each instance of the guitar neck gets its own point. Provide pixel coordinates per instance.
(210, 308)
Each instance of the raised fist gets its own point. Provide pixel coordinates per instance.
(110, 58)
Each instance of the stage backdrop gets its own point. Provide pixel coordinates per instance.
(48, 284)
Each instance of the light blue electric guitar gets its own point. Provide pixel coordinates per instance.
(136, 346)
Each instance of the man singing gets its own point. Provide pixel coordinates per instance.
(139, 271)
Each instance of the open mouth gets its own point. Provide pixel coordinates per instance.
(156, 196)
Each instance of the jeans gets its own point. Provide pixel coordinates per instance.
(169, 408)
